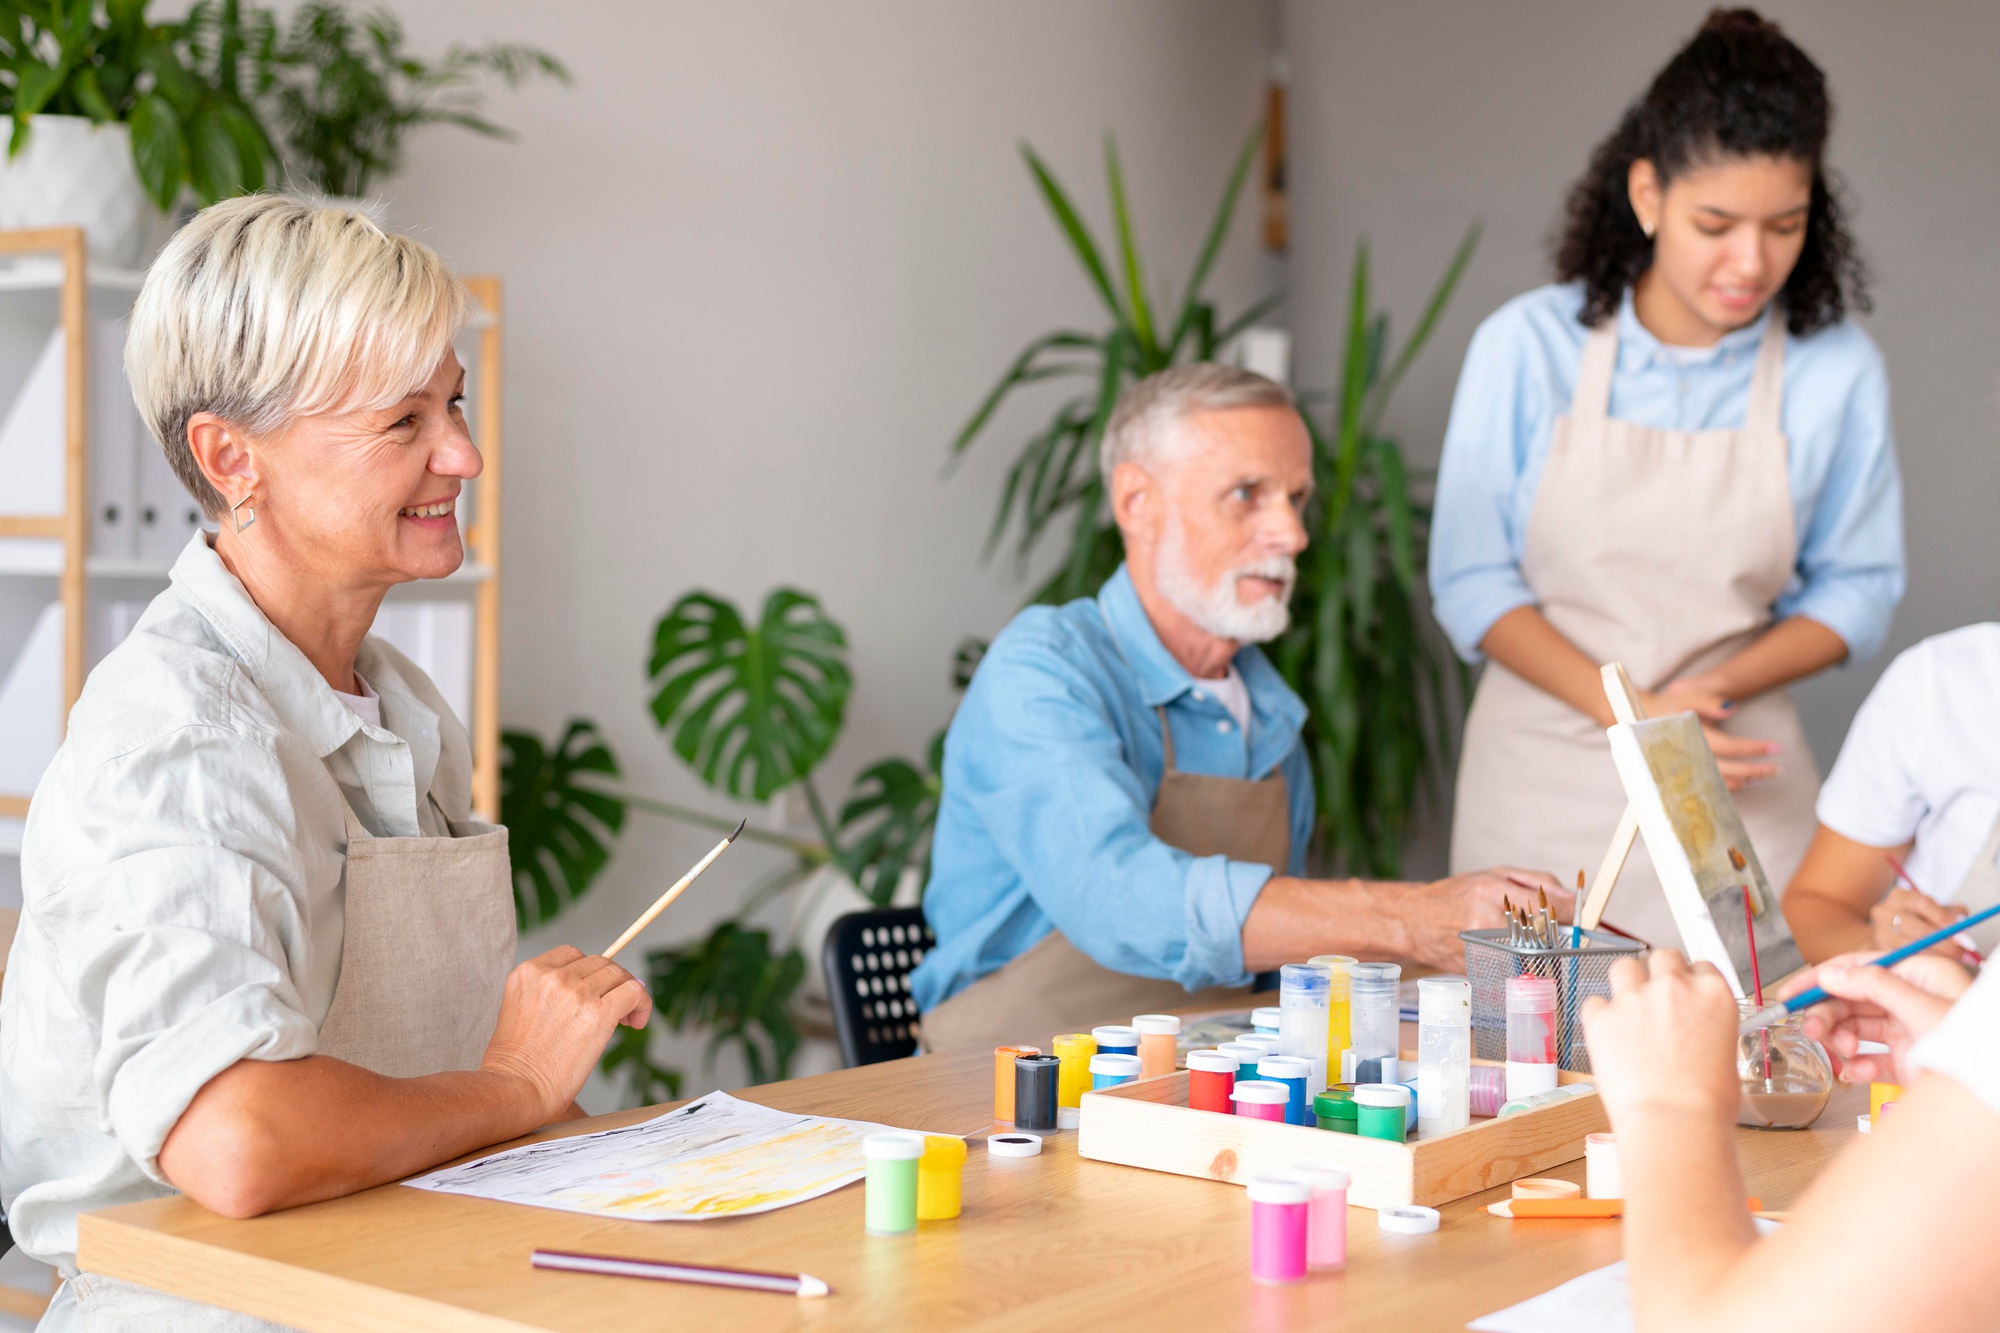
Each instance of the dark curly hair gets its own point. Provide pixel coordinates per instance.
(1739, 88)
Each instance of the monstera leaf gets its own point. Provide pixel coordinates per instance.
(891, 814)
(558, 833)
(751, 709)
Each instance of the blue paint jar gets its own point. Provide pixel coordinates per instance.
(1108, 1071)
(1295, 1072)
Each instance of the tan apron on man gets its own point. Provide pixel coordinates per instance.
(429, 943)
(1055, 987)
(1664, 550)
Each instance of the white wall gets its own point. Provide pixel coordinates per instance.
(762, 261)
(1411, 119)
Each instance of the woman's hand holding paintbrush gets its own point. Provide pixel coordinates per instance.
(1894, 1006)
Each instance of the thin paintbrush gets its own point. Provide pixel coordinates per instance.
(1978, 959)
(646, 919)
(1756, 976)
(1777, 1013)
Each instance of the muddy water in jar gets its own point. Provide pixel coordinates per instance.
(1786, 1078)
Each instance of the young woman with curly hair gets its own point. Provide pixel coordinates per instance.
(1677, 457)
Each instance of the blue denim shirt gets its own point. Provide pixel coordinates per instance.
(1050, 770)
(1519, 376)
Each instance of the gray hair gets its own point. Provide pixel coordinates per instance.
(268, 308)
(1144, 411)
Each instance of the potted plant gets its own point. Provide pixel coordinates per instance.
(342, 93)
(115, 116)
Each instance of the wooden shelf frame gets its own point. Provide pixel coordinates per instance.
(72, 526)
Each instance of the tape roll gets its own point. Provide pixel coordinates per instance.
(1014, 1145)
(1547, 1187)
(1407, 1219)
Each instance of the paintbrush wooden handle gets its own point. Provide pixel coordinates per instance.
(646, 919)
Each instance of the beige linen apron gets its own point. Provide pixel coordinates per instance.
(428, 946)
(1056, 987)
(1664, 550)
(1980, 889)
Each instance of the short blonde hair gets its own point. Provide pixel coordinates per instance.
(268, 308)
(1133, 435)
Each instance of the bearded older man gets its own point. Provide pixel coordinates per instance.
(1126, 799)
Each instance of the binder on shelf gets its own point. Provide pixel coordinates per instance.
(31, 705)
(114, 457)
(168, 515)
(31, 436)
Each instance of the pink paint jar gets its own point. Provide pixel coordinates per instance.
(1260, 1100)
(1159, 1043)
(1278, 1207)
(1211, 1078)
(1326, 1217)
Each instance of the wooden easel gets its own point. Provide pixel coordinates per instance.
(1625, 707)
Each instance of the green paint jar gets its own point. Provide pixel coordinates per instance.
(1381, 1111)
(1334, 1108)
(891, 1208)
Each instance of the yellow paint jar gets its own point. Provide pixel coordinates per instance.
(1881, 1095)
(939, 1175)
(1339, 1028)
(1074, 1049)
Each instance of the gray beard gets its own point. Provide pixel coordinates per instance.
(1214, 609)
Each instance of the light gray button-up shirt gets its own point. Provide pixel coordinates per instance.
(182, 881)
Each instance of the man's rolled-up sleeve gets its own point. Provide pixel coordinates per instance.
(1058, 797)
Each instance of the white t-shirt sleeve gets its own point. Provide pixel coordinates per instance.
(1872, 795)
(1966, 1045)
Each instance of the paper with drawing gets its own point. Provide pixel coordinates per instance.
(714, 1157)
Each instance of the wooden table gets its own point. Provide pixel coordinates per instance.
(1045, 1243)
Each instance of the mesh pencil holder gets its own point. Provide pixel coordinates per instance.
(1579, 973)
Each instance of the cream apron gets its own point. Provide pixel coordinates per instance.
(428, 946)
(1664, 550)
(1980, 889)
(1056, 987)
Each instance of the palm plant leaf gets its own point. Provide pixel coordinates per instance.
(1128, 255)
(1218, 230)
(889, 816)
(1433, 311)
(735, 987)
(751, 708)
(559, 831)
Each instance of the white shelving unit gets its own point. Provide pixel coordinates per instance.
(92, 518)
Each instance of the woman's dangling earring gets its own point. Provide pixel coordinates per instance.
(243, 517)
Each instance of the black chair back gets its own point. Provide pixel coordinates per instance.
(868, 958)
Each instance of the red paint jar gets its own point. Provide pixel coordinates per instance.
(1211, 1078)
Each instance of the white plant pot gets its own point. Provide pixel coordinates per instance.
(72, 173)
(822, 900)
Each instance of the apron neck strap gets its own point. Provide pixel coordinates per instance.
(1767, 383)
(1592, 400)
(1166, 737)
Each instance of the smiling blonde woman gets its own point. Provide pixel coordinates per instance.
(265, 957)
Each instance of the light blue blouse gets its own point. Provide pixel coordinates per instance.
(1519, 376)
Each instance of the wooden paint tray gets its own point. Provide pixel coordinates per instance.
(1147, 1123)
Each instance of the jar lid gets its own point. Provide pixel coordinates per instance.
(1154, 1025)
(1302, 978)
(1115, 1034)
(1068, 1043)
(1259, 1093)
(1407, 1219)
(1267, 1017)
(1014, 1145)
(1381, 1094)
(1277, 1189)
(1336, 963)
(892, 1146)
(1213, 1062)
(1376, 973)
(943, 1150)
(1124, 1066)
(1246, 1053)
(1264, 1041)
(1017, 1050)
(1531, 995)
(1284, 1066)
(1444, 1002)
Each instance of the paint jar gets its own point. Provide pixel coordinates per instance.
(1881, 1096)
(1268, 1020)
(1211, 1074)
(1602, 1178)
(1338, 1026)
(1326, 1217)
(1382, 1111)
(1489, 1089)
(1159, 1043)
(1785, 1077)
(1295, 1073)
(1302, 1017)
(1116, 1039)
(939, 1172)
(1265, 1042)
(1334, 1108)
(1247, 1054)
(1516, 1105)
(1444, 1055)
(1003, 1079)
(1035, 1079)
(1376, 1023)
(1074, 1049)
(1108, 1071)
(1531, 1036)
(1277, 1228)
(1259, 1100)
(891, 1206)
